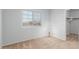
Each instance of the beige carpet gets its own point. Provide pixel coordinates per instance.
(45, 43)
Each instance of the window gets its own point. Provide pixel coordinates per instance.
(36, 18)
(31, 18)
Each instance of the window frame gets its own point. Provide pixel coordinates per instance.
(38, 21)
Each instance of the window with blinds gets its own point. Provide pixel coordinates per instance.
(31, 18)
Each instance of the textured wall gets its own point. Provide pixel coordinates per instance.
(58, 23)
(13, 30)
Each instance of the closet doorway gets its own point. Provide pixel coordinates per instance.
(72, 24)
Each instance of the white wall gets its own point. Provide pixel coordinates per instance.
(0, 29)
(53, 21)
(12, 27)
(58, 23)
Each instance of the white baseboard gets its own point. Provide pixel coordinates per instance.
(23, 40)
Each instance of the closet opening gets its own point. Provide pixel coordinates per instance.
(72, 25)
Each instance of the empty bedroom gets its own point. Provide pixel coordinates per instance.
(39, 28)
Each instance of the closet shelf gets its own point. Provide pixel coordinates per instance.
(72, 18)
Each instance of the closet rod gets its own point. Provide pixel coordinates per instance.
(72, 18)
